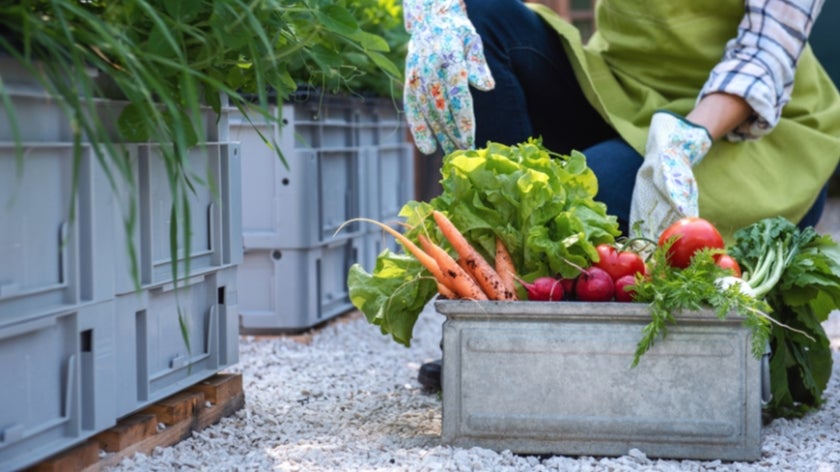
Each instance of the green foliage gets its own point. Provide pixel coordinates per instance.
(171, 60)
(338, 67)
(802, 297)
(670, 291)
(541, 205)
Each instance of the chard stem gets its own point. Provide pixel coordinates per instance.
(757, 277)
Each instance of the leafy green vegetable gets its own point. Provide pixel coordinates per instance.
(766, 249)
(671, 290)
(541, 205)
(802, 297)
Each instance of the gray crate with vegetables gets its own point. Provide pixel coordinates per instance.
(562, 336)
(555, 378)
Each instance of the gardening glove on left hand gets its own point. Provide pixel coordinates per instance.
(665, 189)
(445, 56)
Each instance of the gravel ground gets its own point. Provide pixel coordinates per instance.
(346, 398)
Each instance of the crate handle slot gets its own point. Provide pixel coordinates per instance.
(211, 223)
(210, 335)
(68, 387)
(62, 253)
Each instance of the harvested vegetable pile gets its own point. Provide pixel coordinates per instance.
(541, 206)
(520, 223)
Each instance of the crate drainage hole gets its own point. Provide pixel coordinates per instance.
(285, 181)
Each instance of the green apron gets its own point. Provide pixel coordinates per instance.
(651, 55)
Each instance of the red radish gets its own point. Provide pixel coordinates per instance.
(568, 287)
(545, 289)
(622, 295)
(594, 285)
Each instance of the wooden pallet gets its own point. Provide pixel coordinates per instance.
(192, 409)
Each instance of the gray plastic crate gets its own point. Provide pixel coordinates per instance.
(556, 378)
(40, 416)
(295, 289)
(329, 178)
(301, 206)
(389, 176)
(215, 222)
(154, 359)
(380, 123)
(39, 246)
(40, 118)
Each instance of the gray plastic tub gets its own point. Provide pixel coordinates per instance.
(556, 378)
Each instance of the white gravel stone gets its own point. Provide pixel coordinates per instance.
(349, 401)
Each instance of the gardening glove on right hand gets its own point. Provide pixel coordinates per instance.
(665, 189)
(445, 56)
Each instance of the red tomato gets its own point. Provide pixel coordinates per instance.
(728, 262)
(619, 264)
(692, 234)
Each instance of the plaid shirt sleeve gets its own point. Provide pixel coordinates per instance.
(759, 63)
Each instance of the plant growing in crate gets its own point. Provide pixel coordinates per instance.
(166, 62)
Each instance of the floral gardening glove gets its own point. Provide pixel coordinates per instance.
(445, 56)
(665, 189)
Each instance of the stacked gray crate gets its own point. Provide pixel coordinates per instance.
(347, 158)
(74, 332)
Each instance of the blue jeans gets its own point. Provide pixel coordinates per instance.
(537, 95)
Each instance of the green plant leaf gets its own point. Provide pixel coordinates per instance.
(338, 20)
(384, 63)
(370, 41)
(133, 124)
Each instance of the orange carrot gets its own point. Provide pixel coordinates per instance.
(446, 291)
(459, 280)
(425, 259)
(505, 267)
(478, 267)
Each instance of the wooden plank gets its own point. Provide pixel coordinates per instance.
(219, 388)
(173, 434)
(128, 431)
(76, 458)
(182, 413)
(178, 407)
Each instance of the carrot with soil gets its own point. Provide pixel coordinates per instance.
(484, 273)
(459, 281)
(505, 267)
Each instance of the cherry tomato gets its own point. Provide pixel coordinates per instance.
(728, 262)
(692, 234)
(619, 264)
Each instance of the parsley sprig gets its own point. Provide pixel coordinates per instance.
(670, 291)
